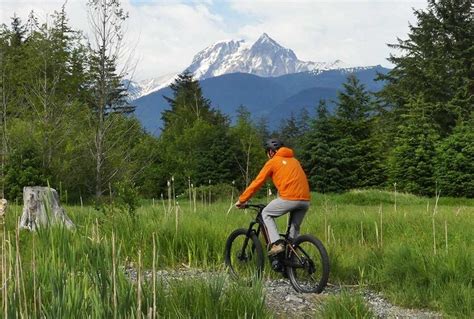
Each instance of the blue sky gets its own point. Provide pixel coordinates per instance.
(164, 35)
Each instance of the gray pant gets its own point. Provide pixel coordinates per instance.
(279, 207)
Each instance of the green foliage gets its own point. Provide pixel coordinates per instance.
(345, 306)
(195, 141)
(339, 152)
(145, 165)
(24, 169)
(188, 105)
(396, 258)
(292, 130)
(247, 140)
(371, 196)
(357, 159)
(436, 63)
(412, 160)
(455, 162)
(24, 166)
(214, 192)
(63, 110)
(82, 272)
(126, 197)
(212, 298)
(320, 152)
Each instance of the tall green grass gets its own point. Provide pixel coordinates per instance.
(58, 273)
(417, 251)
(345, 306)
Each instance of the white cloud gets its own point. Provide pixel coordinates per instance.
(354, 31)
(169, 36)
(165, 34)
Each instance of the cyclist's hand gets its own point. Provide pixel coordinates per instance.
(239, 204)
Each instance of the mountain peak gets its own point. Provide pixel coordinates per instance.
(264, 39)
(265, 57)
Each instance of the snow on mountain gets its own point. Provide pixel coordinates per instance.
(145, 87)
(217, 59)
(264, 58)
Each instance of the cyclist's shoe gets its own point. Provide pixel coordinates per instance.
(276, 249)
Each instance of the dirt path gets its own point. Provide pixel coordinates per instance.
(285, 302)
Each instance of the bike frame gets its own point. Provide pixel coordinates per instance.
(261, 228)
(261, 225)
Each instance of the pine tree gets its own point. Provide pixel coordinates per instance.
(293, 129)
(188, 105)
(357, 158)
(320, 152)
(13, 70)
(195, 140)
(436, 63)
(455, 162)
(49, 92)
(412, 159)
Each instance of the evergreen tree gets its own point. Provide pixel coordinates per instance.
(14, 67)
(15, 75)
(319, 152)
(293, 129)
(412, 159)
(215, 161)
(357, 157)
(48, 91)
(436, 63)
(455, 162)
(188, 105)
(195, 141)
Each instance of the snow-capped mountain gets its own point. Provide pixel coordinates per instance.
(265, 58)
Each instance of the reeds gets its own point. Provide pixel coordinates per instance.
(366, 242)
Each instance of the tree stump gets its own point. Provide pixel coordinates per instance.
(41, 208)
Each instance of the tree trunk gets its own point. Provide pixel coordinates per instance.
(41, 208)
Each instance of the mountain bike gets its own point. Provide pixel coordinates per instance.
(305, 260)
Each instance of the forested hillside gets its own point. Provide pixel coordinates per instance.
(273, 98)
(66, 121)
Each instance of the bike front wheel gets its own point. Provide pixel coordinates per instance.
(308, 264)
(244, 255)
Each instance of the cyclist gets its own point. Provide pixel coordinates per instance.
(293, 192)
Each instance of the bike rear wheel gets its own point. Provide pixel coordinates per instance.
(244, 255)
(308, 264)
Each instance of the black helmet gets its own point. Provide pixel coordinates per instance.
(272, 144)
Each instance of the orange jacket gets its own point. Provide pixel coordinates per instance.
(287, 175)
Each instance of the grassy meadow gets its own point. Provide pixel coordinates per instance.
(417, 251)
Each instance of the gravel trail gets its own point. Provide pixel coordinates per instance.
(285, 302)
